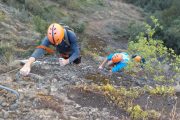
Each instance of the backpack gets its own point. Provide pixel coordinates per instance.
(66, 28)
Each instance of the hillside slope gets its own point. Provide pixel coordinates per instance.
(54, 92)
(36, 97)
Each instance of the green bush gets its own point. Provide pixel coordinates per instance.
(86, 6)
(79, 27)
(22, 15)
(156, 54)
(151, 5)
(2, 15)
(7, 53)
(172, 35)
(171, 20)
(40, 25)
(118, 32)
(167, 11)
(134, 29)
(62, 3)
(15, 3)
(171, 13)
(34, 6)
(53, 13)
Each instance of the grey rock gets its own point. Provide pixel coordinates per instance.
(73, 118)
(5, 114)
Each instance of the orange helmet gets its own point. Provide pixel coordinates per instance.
(55, 33)
(117, 58)
(137, 58)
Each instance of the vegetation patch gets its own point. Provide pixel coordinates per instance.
(40, 25)
(85, 5)
(94, 45)
(137, 113)
(122, 98)
(157, 56)
(51, 102)
(161, 90)
(98, 78)
(167, 11)
(2, 15)
(7, 53)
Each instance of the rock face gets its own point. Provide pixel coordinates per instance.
(52, 96)
(48, 92)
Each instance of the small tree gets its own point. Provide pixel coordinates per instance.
(162, 64)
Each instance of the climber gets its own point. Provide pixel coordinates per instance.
(65, 42)
(115, 61)
(138, 59)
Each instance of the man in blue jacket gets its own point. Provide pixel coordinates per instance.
(117, 61)
(65, 42)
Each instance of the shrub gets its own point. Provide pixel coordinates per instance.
(2, 15)
(40, 25)
(79, 27)
(6, 53)
(34, 6)
(156, 54)
(151, 5)
(22, 15)
(137, 113)
(118, 32)
(86, 5)
(53, 13)
(171, 13)
(172, 35)
(62, 3)
(167, 11)
(134, 29)
(15, 3)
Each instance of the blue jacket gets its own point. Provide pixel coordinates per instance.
(63, 47)
(120, 65)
